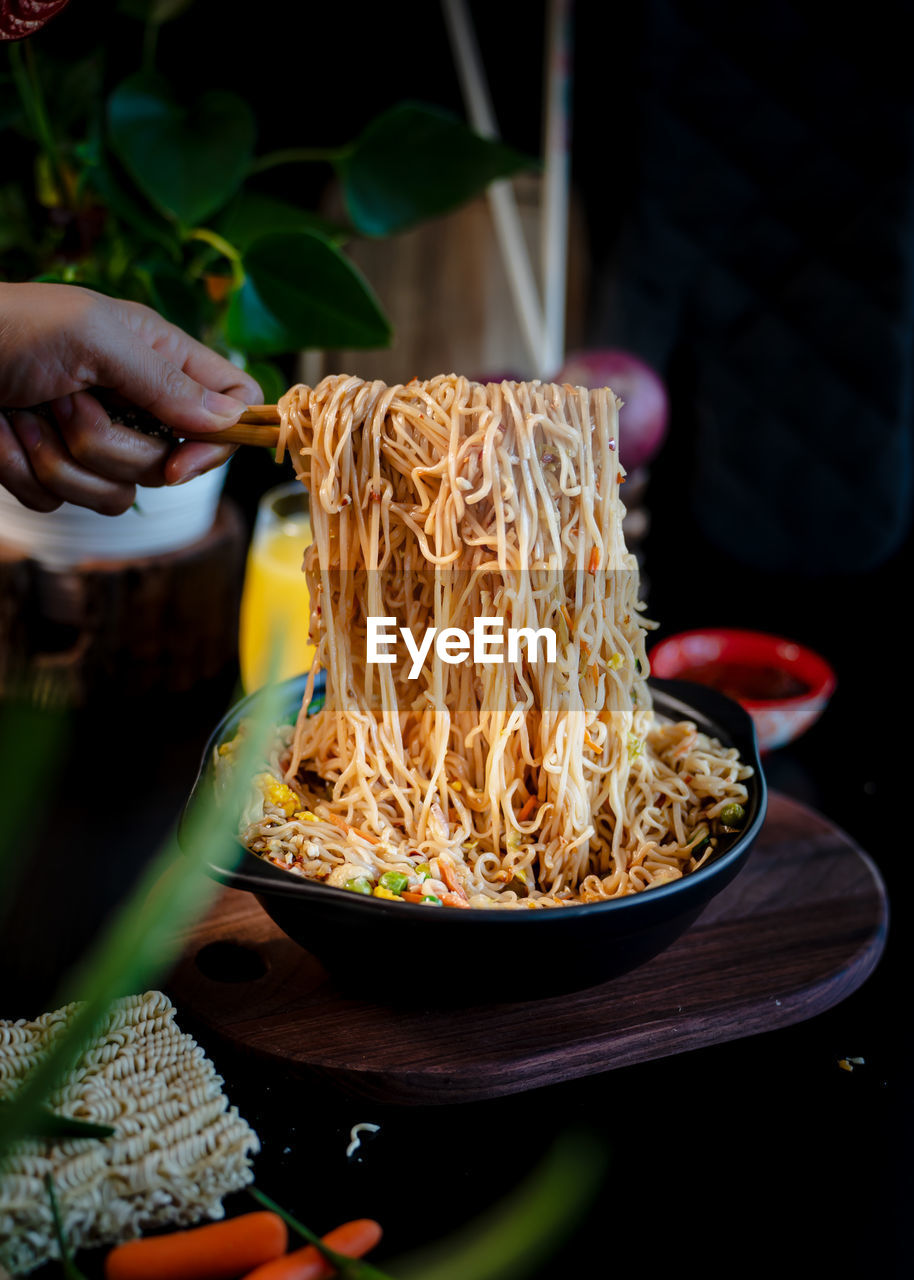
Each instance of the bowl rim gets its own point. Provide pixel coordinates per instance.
(826, 680)
(266, 879)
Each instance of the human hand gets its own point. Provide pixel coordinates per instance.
(57, 342)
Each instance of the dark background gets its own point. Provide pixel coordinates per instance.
(747, 180)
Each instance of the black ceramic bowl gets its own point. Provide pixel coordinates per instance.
(395, 951)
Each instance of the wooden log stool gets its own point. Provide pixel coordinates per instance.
(161, 623)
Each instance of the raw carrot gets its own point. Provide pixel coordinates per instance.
(352, 1239)
(219, 1251)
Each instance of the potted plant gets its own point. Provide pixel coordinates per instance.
(129, 187)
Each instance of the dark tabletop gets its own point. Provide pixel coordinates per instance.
(756, 1156)
(758, 1153)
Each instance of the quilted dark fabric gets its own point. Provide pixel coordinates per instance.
(770, 253)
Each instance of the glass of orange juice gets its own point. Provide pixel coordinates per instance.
(275, 608)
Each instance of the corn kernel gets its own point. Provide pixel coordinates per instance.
(380, 892)
(278, 794)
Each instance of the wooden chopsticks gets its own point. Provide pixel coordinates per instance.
(259, 424)
(262, 415)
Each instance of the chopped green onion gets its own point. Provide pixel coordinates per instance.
(395, 881)
(69, 1267)
(432, 900)
(48, 1124)
(733, 815)
(361, 884)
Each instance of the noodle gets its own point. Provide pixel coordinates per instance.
(519, 783)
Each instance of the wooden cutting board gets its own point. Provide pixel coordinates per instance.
(799, 929)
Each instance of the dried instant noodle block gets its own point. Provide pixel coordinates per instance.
(178, 1146)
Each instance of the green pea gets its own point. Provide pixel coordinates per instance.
(360, 885)
(395, 881)
(432, 900)
(733, 815)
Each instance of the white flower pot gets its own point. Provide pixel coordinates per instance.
(164, 519)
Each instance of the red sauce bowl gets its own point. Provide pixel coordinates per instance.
(784, 686)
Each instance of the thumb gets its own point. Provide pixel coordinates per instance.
(151, 381)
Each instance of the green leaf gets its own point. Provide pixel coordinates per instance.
(271, 379)
(300, 291)
(174, 296)
(188, 160)
(127, 204)
(252, 215)
(414, 162)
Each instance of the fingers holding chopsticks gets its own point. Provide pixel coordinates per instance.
(121, 453)
(58, 343)
(42, 472)
(155, 366)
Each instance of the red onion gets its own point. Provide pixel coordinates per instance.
(643, 418)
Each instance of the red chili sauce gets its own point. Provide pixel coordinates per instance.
(743, 680)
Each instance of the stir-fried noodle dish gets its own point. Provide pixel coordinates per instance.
(508, 775)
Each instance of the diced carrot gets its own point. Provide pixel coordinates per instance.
(528, 808)
(450, 879)
(410, 895)
(455, 900)
(219, 1251)
(349, 830)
